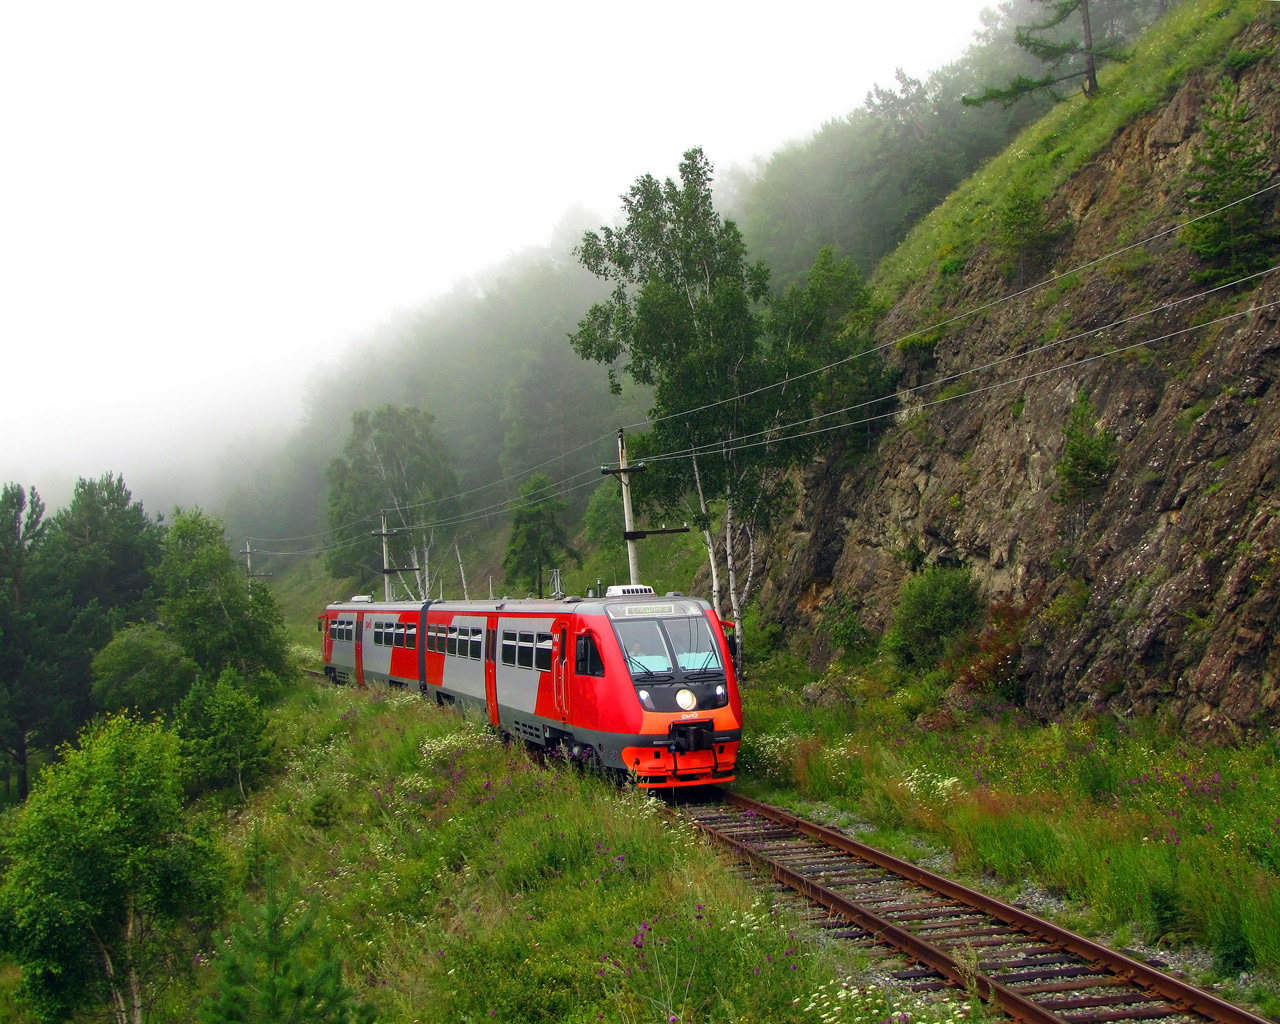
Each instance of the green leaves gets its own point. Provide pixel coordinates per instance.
(274, 971)
(936, 604)
(103, 873)
(1228, 171)
(207, 607)
(224, 733)
(538, 538)
(1088, 454)
(392, 460)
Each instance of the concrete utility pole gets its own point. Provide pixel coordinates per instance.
(623, 473)
(629, 533)
(386, 569)
(248, 566)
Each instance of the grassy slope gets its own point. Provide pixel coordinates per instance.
(1194, 34)
(459, 881)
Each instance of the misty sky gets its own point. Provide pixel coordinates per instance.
(200, 202)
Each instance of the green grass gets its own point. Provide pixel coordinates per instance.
(1195, 34)
(1144, 831)
(458, 880)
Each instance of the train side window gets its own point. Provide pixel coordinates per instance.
(588, 661)
(542, 653)
(508, 647)
(477, 643)
(411, 636)
(434, 642)
(377, 633)
(451, 644)
(524, 653)
(399, 635)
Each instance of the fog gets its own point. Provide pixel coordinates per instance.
(202, 203)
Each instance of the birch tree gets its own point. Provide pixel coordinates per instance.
(392, 462)
(684, 319)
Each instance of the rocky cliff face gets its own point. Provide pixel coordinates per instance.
(1160, 592)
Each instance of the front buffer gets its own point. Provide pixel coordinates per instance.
(692, 753)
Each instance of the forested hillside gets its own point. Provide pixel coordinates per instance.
(1008, 393)
(490, 363)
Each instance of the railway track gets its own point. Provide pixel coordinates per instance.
(1033, 970)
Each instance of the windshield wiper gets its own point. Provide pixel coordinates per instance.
(705, 673)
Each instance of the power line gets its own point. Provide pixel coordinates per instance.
(741, 442)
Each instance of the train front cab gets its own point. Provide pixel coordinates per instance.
(666, 695)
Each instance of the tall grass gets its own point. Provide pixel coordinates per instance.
(1142, 829)
(459, 880)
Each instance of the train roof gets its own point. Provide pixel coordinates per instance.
(655, 604)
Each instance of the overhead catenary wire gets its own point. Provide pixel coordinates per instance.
(757, 440)
(742, 442)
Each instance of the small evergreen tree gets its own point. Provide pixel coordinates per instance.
(538, 536)
(1228, 171)
(271, 974)
(224, 733)
(1088, 455)
(1021, 236)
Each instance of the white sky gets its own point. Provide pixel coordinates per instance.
(200, 202)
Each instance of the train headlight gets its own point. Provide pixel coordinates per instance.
(687, 699)
(645, 698)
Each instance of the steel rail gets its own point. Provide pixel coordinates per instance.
(1178, 993)
(1017, 1006)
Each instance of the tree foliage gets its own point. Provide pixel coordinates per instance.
(936, 603)
(273, 971)
(682, 320)
(142, 669)
(1067, 57)
(207, 606)
(538, 538)
(392, 462)
(1227, 172)
(27, 650)
(105, 882)
(733, 383)
(224, 733)
(1088, 454)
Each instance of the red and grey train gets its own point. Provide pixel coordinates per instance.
(631, 680)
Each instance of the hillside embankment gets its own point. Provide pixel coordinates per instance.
(1156, 591)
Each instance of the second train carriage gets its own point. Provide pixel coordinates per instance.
(632, 680)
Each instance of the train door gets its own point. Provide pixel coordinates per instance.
(359, 649)
(490, 668)
(325, 625)
(559, 672)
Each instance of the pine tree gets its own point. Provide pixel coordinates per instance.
(1065, 58)
(269, 974)
(538, 537)
(1228, 171)
(1088, 456)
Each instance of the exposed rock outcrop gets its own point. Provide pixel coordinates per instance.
(1180, 554)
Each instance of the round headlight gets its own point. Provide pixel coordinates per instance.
(686, 699)
(643, 695)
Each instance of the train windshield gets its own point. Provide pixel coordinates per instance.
(657, 648)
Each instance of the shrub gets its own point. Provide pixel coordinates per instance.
(936, 604)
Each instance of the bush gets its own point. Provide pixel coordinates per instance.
(936, 604)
